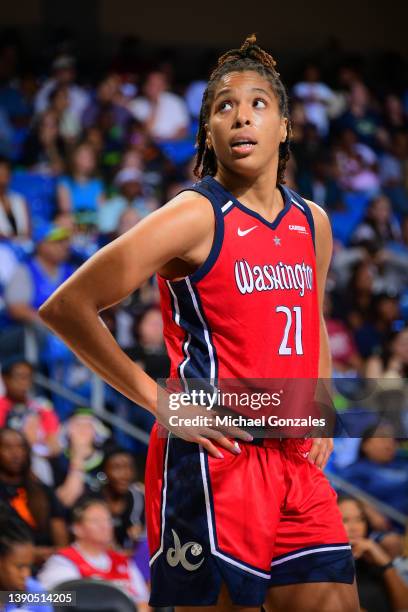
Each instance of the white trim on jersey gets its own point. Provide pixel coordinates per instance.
(176, 304)
(214, 550)
(163, 521)
(298, 205)
(310, 552)
(226, 206)
(206, 333)
(188, 340)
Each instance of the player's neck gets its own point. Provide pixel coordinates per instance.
(259, 194)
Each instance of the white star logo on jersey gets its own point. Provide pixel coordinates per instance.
(245, 232)
(277, 241)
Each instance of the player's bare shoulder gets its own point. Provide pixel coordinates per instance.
(323, 232)
(189, 215)
(321, 220)
(189, 224)
(320, 217)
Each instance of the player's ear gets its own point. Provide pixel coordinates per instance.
(283, 129)
(208, 140)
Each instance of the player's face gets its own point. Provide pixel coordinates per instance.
(245, 126)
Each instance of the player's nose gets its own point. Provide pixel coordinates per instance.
(243, 116)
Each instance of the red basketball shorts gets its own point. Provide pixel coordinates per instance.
(262, 518)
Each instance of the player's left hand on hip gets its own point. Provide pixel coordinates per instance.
(320, 452)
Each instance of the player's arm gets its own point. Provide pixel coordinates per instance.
(322, 447)
(175, 232)
(324, 250)
(173, 240)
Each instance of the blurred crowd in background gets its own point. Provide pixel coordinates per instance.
(83, 158)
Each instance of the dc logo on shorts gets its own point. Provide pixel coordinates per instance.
(177, 554)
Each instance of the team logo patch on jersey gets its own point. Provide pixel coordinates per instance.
(177, 554)
(299, 228)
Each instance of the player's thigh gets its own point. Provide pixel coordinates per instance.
(313, 597)
(224, 604)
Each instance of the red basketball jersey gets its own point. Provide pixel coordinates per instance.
(251, 309)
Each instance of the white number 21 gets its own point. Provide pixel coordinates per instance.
(284, 349)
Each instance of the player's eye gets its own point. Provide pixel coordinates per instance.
(260, 103)
(224, 105)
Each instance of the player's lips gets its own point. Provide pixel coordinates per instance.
(243, 143)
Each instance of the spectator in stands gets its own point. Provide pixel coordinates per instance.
(393, 171)
(307, 149)
(353, 303)
(16, 561)
(34, 502)
(79, 466)
(107, 110)
(359, 116)
(124, 497)
(374, 333)
(34, 281)
(392, 362)
(14, 216)
(20, 409)
(357, 165)
(82, 191)
(380, 588)
(379, 225)
(91, 555)
(10, 333)
(380, 472)
(316, 97)
(131, 196)
(6, 135)
(345, 356)
(68, 122)
(44, 150)
(163, 113)
(64, 73)
(320, 186)
(394, 118)
(149, 349)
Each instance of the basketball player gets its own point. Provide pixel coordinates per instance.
(233, 523)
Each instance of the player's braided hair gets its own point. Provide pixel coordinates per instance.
(249, 57)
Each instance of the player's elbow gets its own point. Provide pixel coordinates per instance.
(58, 307)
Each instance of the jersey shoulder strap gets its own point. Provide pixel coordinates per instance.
(304, 207)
